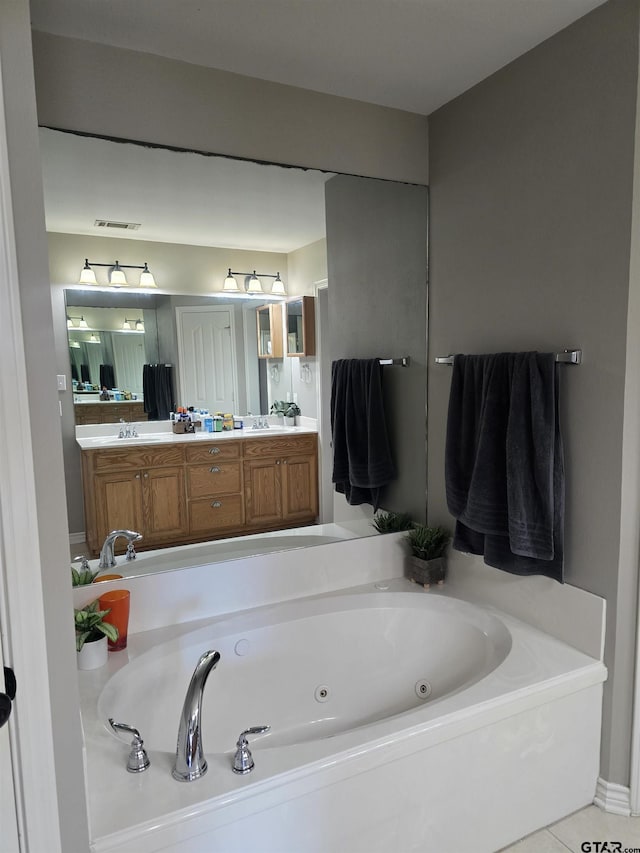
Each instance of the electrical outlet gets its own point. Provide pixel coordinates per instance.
(288, 396)
(62, 382)
(295, 396)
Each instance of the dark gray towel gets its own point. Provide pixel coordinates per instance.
(504, 467)
(362, 463)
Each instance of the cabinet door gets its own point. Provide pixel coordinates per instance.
(263, 491)
(118, 503)
(301, 326)
(269, 331)
(299, 488)
(163, 504)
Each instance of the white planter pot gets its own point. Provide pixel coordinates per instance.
(92, 655)
(289, 421)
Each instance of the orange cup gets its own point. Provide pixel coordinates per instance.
(108, 578)
(117, 601)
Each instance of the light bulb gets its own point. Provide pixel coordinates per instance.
(230, 284)
(146, 278)
(255, 285)
(87, 276)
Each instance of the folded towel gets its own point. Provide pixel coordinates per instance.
(362, 463)
(503, 462)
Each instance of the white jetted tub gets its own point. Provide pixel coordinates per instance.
(400, 720)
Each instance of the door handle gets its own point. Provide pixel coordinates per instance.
(214, 450)
(216, 504)
(6, 699)
(214, 469)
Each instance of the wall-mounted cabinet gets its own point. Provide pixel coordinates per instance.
(270, 331)
(301, 326)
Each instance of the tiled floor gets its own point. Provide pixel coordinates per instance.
(576, 831)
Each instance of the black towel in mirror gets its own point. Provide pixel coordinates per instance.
(157, 390)
(362, 462)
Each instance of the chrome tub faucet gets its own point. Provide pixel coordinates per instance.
(107, 559)
(190, 762)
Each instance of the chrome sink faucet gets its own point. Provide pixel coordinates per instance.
(107, 559)
(127, 430)
(190, 762)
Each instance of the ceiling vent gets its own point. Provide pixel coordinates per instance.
(121, 226)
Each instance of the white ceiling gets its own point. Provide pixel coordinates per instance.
(178, 197)
(410, 54)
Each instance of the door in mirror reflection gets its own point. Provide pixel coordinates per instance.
(207, 359)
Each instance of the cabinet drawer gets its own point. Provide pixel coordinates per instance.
(214, 478)
(223, 449)
(143, 456)
(282, 445)
(212, 514)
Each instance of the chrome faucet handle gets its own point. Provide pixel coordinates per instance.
(138, 760)
(134, 431)
(243, 760)
(84, 565)
(123, 425)
(131, 552)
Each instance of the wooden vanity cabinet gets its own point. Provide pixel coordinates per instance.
(109, 413)
(139, 488)
(179, 493)
(281, 480)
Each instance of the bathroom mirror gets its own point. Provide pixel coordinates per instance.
(192, 218)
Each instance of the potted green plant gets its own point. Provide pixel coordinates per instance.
(427, 563)
(91, 635)
(292, 412)
(279, 407)
(392, 522)
(84, 575)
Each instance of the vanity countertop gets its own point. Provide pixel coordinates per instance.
(96, 437)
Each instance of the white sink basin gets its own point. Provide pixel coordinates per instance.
(141, 439)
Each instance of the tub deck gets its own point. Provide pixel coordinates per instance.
(507, 713)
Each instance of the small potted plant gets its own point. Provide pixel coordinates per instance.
(392, 522)
(279, 407)
(427, 563)
(292, 412)
(84, 575)
(91, 635)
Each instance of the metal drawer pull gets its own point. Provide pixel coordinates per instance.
(216, 504)
(214, 469)
(214, 450)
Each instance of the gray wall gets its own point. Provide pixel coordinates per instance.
(531, 190)
(95, 88)
(377, 267)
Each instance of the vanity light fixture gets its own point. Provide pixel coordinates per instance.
(139, 326)
(277, 288)
(117, 277)
(252, 285)
(87, 276)
(230, 284)
(126, 326)
(80, 324)
(94, 339)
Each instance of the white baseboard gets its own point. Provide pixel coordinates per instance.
(613, 798)
(77, 538)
